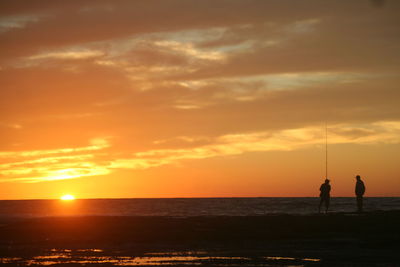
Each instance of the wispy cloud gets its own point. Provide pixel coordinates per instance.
(55, 164)
(15, 126)
(16, 22)
(96, 144)
(285, 140)
(190, 50)
(43, 167)
(78, 54)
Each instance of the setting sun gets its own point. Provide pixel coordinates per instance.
(67, 197)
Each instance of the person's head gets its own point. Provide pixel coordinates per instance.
(327, 181)
(358, 177)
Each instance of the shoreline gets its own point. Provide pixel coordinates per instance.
(332, 238)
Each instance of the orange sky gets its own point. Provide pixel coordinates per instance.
(195, 98)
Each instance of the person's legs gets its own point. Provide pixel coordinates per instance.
(359, 203)
(320, 204)
(327, 200)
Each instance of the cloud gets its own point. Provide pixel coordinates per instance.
(15, 126)
(102, 100)
(16, 22)
(180, 80)
(84, 54)
(285, 140)
(97, 144)
(77, 23)
(49, 165)
(77, 163)
(190, 50)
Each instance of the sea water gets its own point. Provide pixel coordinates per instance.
(186, 207)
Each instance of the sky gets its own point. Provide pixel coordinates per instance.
(187, 98)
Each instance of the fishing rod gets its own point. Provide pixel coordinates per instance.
(326, 150)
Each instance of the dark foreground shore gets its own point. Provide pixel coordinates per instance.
(370, 239)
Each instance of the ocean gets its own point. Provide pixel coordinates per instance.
(187, 207)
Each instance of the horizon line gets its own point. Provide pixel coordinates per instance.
(126, 198)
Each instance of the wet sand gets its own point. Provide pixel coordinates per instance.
(369, 239)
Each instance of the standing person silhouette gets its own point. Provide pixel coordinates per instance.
(325, 195)
(359, 190)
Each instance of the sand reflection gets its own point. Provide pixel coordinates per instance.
(194, 258)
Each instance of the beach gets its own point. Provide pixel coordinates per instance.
(336, 239)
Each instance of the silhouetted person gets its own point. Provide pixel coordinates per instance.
(325, 195)
(360, 190)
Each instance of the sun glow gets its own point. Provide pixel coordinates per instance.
(67, 197)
